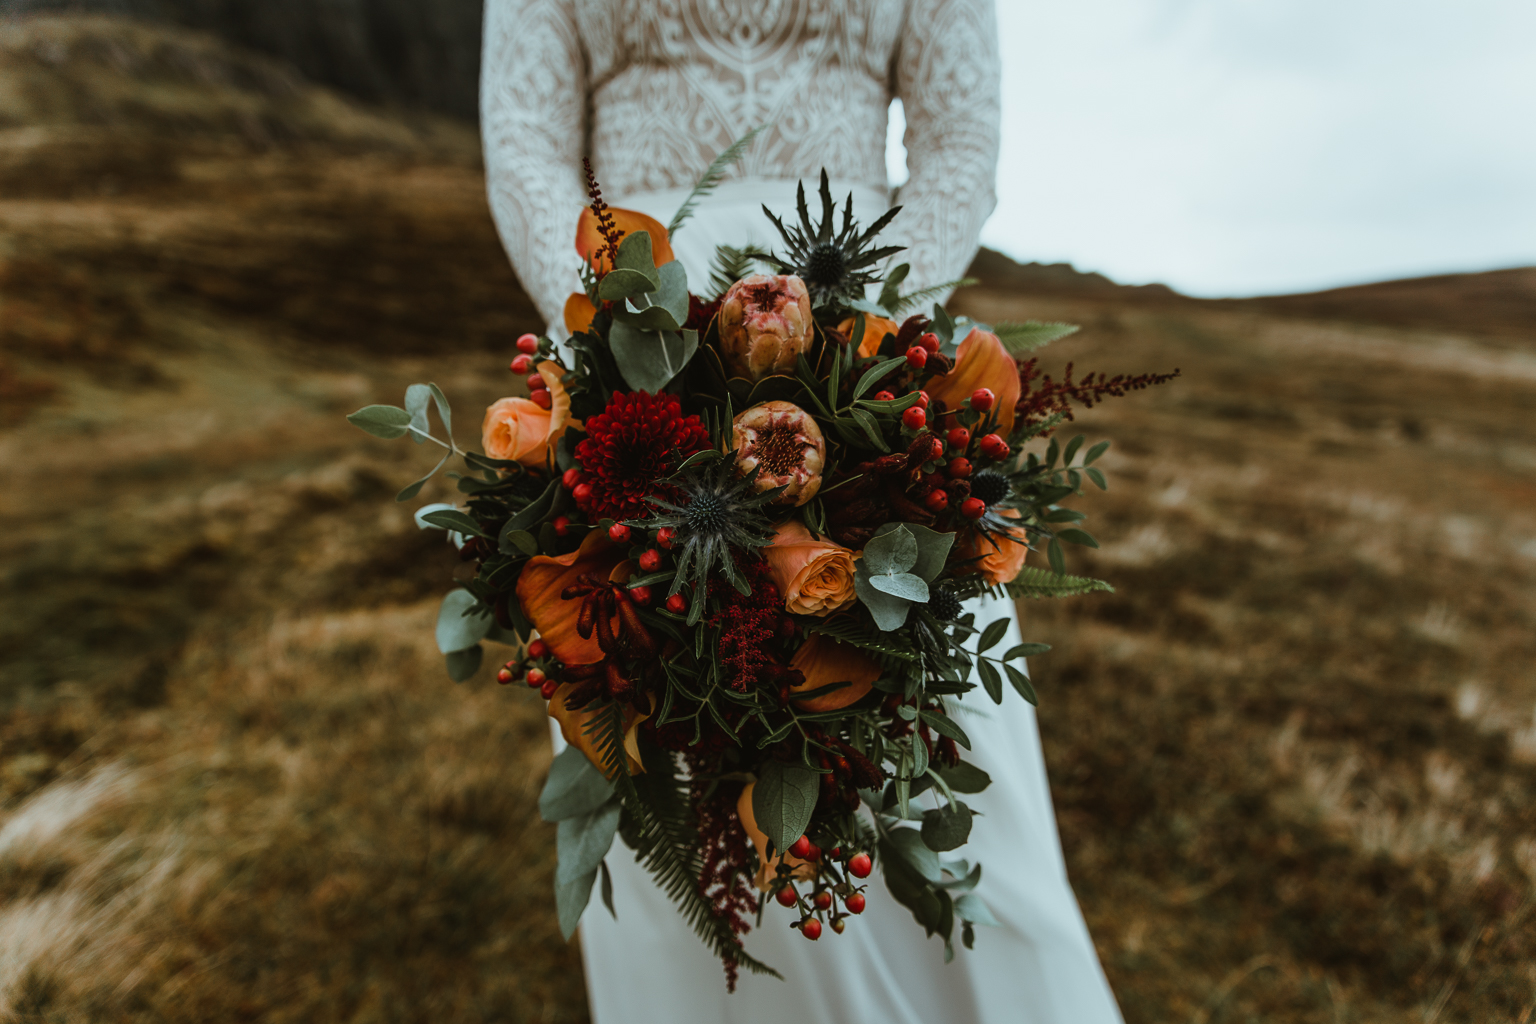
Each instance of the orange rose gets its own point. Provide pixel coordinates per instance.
(875, 330)
(769, 868)
(1000, 559)
(823, 661)
(815, 576)
(518, 430)
(981, 362)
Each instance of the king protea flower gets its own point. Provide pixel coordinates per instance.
(783, 443)
(765, 322)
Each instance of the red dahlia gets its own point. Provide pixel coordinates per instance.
(630, 445)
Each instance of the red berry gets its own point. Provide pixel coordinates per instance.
(528, 343)
(533, 684)
(548, 689)
(650, 559)
(973, 508)
(618, 533)
(664, 537)
(536, 382)
(915, 418)
(504, 676)
(538, 649)
(923, 399)
(982, 399)
(994, 447)
(800, 848)
(641, 596)
(785, 896)
(859, 866)
(917, 357)
(838, 924)
(884, 396)
(811, 928)
(855, 903)
(937, 501)
(541, 399)
(582, 492)
(562, 525)
(958, 469)
(822, 900)
(570, 478)
(959, 439)
(929, 341)
(676, 605)
(536, 677)
(837, 851)
(815, 850)
(521, 364)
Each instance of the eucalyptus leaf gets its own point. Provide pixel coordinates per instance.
(462, 665)
(782, 801)
(969, 907)
(908, 843)
(457, 631)
(892, 549)
(889, 612)
(649, 360)
(946, 828)
(583, 840)
(571, 900)
(625, 284)
(443, 411)
(635, 254)
(417, 399)
(903, 584)
(386, 421)
(932, 550)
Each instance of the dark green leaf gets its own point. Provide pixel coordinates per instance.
(946, 726)
(531, 516)
(782, 801)
(991, 680)
(524, 541)
(574, 787)
(1078, 537)
(1097, 477)
(1021, 683)
(463, 664)
(1095, 452)
(453, 519)
(992, 634)
(1057, 559)
(457, 631)
(946, 828)
(386, 421)
(1025, 651)
(890, 292)
(965, 778)
(608, 889)
(874, 374)
(1065, 515)
(1052, 453)
(1072, 447)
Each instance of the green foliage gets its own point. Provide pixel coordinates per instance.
(782, 801)
(946, 827)
(1036, 582)
(462, 621)
(914, 299)
(386, 421)
(1022, 338)
(730, 265)
(581, 843)
(894, 572)
(574, 787)
(713, 175)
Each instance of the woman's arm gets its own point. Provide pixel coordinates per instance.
(946, 74)
(533, 94)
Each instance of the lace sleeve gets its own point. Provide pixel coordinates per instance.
(533, 94)
(947, 76)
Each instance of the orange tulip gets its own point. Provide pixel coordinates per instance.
(823, 661)
(579, 312)
(589, 237)
(768, 868)
(573, 728)
(875, 330)
(981, 362)
(545, 576)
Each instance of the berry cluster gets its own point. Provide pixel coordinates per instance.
(833, 881)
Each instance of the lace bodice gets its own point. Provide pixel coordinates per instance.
(652, 90)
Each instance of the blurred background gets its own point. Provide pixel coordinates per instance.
(1293, 755)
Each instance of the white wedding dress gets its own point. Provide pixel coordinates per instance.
(652, 90)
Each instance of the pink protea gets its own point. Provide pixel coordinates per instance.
(765, 322)
(782, 442)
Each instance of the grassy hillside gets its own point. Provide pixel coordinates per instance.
(1293, 755)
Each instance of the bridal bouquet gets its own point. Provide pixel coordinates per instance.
(731, 534)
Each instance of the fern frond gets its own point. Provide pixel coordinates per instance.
(922, 295)
(852, 632)
(606, 731)
(1035, 582)
(731, 265)
(713, 175)
(1025, 337)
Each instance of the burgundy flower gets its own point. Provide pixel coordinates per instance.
(632, 444)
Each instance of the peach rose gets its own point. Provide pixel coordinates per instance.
(1000, 558)
(875, 330)
(769, 868)
(981, 362)
(518, 430)
(815, 576)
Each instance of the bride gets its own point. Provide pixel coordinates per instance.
(651, 91)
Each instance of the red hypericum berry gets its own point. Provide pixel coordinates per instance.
(811, 928)
(562, 525)
(582, 492)
(973, 508)
(538, 649)
(837, 851)
(536, 677)
(785, 896)
(959, 439)
(536, 382)
(982, 399)
(855, 903)
(504, 676)
(822, 900)
(917, 357)
(923, 399)
(534, 685)
(676, 605)
(664, 537)
(929, 341)
(859, 866)
(618, 533)
(958, 469)
(641, 596)
(884, 396)
(994, 447)
(937, 501)
(800, 848)
(548, 689)
(570, 478)
(541, 399)
(838, 924)
(521, 364)
(915, 418)
(528, 343)
(650, 559)
(815, 850)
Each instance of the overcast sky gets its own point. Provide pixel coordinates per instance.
(1238, 147)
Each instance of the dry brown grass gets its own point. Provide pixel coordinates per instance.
(1293, 756)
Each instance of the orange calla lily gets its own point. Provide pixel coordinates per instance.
(769, 868)
(579, 312)
(981, 362)
(824, 661)
(573, 728)
(538, 593)
(875, 330)
(589, 236)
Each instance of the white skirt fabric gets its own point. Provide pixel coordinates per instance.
(1038, 967)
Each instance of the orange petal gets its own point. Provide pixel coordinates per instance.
(579, 312)
(981, 362)
(769, 868)
(538, 593)
(589, 238)
(824, 661)
(573, 728)
(875, 330)
(559, 400)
